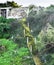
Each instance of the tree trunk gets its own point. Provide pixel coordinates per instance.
(37, 60)
(31, 44)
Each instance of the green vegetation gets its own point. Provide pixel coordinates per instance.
(5, 27)
(9, 4)
(45, 44)
(11, 54)
(13, 40)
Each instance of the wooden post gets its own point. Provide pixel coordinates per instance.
(27, 40)
(24, 32)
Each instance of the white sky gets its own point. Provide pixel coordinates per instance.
(44, 3)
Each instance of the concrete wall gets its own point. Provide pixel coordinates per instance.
(17, 13)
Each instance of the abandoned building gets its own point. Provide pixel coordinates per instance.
(9, 12)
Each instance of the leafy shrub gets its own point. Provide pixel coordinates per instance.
(45, 44)
(6, 55)
(10, 54)
(5, 27)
